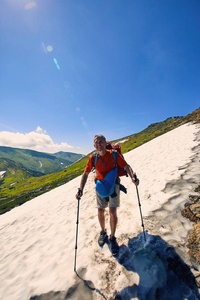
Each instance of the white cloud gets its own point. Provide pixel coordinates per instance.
(40, 130)
(36, 140)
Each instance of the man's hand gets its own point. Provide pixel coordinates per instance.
(79, 194)
(132, 175)
(135, 180)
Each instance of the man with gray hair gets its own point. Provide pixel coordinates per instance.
(107, 188)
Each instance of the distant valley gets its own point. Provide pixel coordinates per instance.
(37, 163)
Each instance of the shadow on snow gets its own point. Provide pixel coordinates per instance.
(162, 273)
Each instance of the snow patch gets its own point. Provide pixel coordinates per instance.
(2, 173)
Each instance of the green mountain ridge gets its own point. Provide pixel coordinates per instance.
(70, 156)
(14, 192)
(14, 172)
(39, 162)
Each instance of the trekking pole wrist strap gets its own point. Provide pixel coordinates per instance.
(80, 192)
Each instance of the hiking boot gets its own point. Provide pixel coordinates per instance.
(102, 238)
(114, 247)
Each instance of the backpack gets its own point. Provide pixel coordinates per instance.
(115, 149)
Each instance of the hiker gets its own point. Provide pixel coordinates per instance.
(107, 187)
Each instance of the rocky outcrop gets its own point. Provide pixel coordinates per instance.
(192, 212)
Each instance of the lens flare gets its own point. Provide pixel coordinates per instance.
(49, 48)
(30, 5)
(56, 63)
(44, 47)
(66, 84)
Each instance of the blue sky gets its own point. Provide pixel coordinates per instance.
(71, 69)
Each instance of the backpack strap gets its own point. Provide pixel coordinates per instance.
(114, 154)
(96, 156)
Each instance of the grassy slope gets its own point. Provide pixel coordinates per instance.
(34, 186)
(15, 172)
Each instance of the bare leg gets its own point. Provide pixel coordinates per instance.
(113, 220)
(101, 217)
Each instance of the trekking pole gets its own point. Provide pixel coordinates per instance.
(140, 207)
(76, 248)
(77, 222)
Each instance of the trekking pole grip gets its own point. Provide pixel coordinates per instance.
(135, 176)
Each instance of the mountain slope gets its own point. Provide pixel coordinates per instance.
(69, 156)
(38, 239)
(15, 171)
(156, 129)
(40, 162)
(34, 186)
